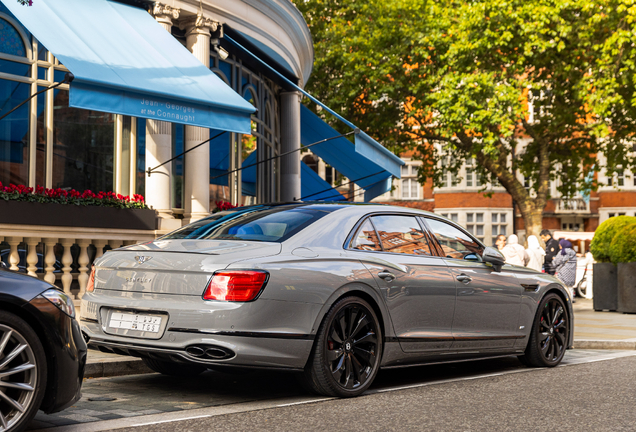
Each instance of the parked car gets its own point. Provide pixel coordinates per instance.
(42, 352)
(334, 291)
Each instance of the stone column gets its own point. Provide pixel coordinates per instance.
(49, 259)
(197, 162)
(159, 139)
(32, 256)
(290, 140)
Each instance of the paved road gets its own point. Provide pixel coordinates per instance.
(500, 394)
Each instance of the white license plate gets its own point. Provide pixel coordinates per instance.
(139, 322)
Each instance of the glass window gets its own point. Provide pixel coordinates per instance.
(455, 243)
(177, 184)
(502, 218)
(14, 133)
(267, 224)
(141, 157)
(83, 147)
(405, 170)
(479, 217)
(494, 218)
(453, 217)
(401, 234)
(366, 238)
(12, 42)
(469, 217)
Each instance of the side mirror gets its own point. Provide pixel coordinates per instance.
(494, 257)
(3, 265)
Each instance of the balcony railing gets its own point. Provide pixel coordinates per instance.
(572, 205)
(62, 255)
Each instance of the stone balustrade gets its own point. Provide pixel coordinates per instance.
(52, 247)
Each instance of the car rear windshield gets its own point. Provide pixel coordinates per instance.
(269, 224)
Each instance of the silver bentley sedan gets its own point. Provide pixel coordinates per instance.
(333, 291)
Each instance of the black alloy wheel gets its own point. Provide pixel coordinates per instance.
(550, 333)
(346, 355)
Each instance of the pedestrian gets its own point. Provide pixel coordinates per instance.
(514, 253)
(551, 249)
(536, 253)
(500, 242)
(565, 265)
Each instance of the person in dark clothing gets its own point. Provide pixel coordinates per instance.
(551, 249)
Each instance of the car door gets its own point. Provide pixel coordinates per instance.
(488, 302)
(418, 287)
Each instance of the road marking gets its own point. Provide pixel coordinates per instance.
(172, 420)
(304, 402)
(259, 405)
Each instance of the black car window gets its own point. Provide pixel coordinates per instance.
(454, 242)
(366, 238)
(401, 234)
(269, 224)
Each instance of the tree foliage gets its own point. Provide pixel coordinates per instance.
(525, 88)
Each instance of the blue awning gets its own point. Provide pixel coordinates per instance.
(312, 185)
(361, 162)
(124, 62)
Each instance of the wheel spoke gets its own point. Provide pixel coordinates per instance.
(17, 350)
(545, 345)
(335, 336)
(545, 325)
(367, 338)
(343, 327)
(366, 356)
(561, 338)
(3, 421)
(21, 368)
(361, 323)
(560, 325)
(12, 402)
(557, 314)
(358, 368)
(340, 368)
(4, 340)
(20, 386)
(349, 373)
(543, 336)
(332, 355)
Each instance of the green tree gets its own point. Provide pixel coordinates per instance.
(532, 89)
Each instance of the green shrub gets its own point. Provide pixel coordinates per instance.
(623, 246)
(604, 235)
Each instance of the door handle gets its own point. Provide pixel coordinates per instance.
(464, 278)
(387, 276)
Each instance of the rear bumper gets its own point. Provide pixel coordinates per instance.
(260, 334)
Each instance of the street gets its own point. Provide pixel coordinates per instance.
(591, 390)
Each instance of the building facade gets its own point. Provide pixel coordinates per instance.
(462, 200)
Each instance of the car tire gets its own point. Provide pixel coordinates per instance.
(549, 335)
(19, 340)
(174, 369)
(346, 355)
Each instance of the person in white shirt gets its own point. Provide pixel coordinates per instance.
(514, 253)
(535, 253)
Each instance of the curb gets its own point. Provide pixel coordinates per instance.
(102, 369)
(604, 345)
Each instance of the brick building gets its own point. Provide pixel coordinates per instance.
(460, 199)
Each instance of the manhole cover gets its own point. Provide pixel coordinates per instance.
(102, 399)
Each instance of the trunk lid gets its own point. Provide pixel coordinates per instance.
(179, 267)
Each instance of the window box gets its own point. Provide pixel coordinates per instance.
(49, 214)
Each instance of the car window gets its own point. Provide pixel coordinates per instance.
(455, 243)
(270, 224)
(366, 238)
(401, 234)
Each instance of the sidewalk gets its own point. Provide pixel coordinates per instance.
(592, 330)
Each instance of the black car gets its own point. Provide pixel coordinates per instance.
(42, 352)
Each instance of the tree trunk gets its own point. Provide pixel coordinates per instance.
(533, 219)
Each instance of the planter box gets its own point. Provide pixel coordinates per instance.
(605, 287)
(626, 287)
(29, 213)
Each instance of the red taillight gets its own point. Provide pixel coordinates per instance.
(90, 285)
(235, 285)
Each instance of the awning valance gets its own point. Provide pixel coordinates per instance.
(124, 62)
